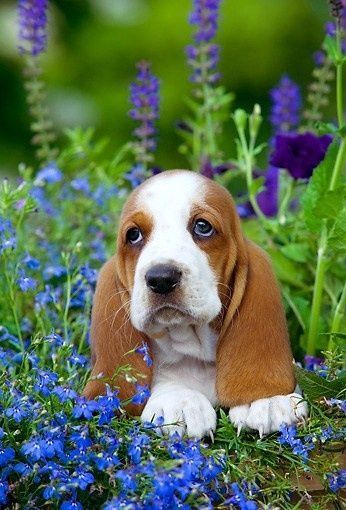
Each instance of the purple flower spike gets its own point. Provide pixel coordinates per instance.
(203, 56)
(32, 16)
(144, 96)
(299, 154)
(286, 104)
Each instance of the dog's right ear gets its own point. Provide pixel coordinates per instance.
(112, 337)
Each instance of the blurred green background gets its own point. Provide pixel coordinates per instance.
(94, 45)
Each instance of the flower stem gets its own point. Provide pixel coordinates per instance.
(338, 315)
(285, 202)
(323, 242)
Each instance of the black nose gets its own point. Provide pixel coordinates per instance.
(163, 278)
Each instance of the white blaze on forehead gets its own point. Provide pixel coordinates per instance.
(169, 197)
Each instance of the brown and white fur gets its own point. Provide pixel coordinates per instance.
(219, 338)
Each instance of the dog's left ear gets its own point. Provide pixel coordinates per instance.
(254, 358)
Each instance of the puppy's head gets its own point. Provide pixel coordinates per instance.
(178, 242)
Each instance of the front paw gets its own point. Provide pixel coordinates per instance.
(183, 410)
(267, 414)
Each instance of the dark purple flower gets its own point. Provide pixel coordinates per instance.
(143, 350)
(144, 96)
(32, 15)
(268, 198)
(208, 170)
(203, 56)
(299, 154)
(286, 105)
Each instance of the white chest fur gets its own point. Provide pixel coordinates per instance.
(185, 355)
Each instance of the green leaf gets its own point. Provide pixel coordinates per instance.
(337, 235)
(286, 270)
(317, 188)
(330, 205)
(256, 185)
(316, 387)
(299, 252)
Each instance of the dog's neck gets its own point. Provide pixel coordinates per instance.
(186, 354)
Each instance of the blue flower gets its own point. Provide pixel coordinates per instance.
(82, 478)
(135, 448)
(33, 450)
(64, 393)
(81, 184)
(6, 455)
(240, 500)
(31, 262)
(143, 350)
(71, 504)
(18, 411)
(128, 481)
(25, 283)
(84, 408)
(50, 174)
(288, 436)
(337, 481)
(45, 382)
(4, 490)
(142, 394)
(136, 175)
(32, 16)
(108, 405)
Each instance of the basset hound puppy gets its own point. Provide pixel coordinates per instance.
(185, 279)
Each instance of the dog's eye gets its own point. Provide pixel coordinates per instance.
(202, 228)
(134, 235)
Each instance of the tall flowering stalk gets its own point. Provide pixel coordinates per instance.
(336, 52)
(145, 100)
(203, 58)
(32, 17)
(284, 117)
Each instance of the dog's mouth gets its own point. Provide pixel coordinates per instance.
(169, 315)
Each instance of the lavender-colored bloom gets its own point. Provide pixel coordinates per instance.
(203, 56)
(299, 154)
(144, 96)
(286, 105)
(136, 175)
(32, 17)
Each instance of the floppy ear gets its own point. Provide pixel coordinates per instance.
(254, 358)
(112, 336)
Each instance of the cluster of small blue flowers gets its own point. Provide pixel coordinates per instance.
(32, 16)
(203, 56)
